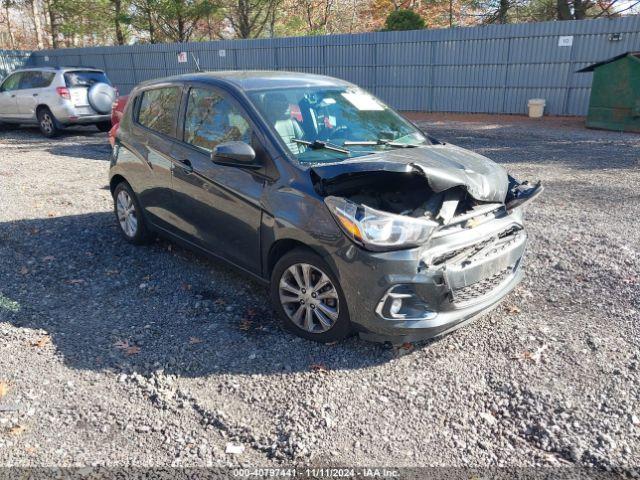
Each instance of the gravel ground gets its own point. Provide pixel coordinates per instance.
(153, 356)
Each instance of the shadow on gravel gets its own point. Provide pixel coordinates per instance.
(107, 305)
(90, 151)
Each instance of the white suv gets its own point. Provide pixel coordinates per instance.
(55, 97)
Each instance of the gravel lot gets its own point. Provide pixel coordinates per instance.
(153, 356)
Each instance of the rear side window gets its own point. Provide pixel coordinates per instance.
(36, 79)
(85, 78)
(159, 109)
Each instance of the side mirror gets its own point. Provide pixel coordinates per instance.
(235, 154)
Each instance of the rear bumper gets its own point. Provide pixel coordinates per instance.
(67, 114)
(438, 295)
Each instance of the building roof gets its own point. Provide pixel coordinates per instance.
(258, 79)
(591, 68)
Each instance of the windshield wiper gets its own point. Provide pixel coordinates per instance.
(380, 141)
(318, 144)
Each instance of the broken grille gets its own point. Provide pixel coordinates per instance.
(480, 289)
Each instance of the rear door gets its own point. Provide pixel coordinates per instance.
(31, 90)
(8, 93)
(153, 136)
(218, 207)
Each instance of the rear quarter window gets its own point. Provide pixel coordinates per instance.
(158, 109)
(85, 78)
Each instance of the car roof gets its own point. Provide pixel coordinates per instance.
(57, 69)
(256, 79)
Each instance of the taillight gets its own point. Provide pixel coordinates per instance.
(63, 92)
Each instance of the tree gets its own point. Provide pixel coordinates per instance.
(178, 19)
(248, 18)
(402, 19)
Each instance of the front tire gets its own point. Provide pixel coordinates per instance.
(308, 297)
(129, 215)
(47, 122)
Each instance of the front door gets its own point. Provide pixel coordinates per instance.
(8, 101)
(218, 206)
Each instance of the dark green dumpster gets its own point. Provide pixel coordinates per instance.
(615, 93)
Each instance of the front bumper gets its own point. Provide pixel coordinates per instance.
(458, 276)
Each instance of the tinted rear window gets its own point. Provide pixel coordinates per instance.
(159, 109)
(85, 78)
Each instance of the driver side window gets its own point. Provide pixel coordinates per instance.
(211, 119)
(11, 83)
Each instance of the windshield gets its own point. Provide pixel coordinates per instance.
(329, 124)
(85, 78)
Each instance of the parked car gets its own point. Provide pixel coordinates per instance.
(56, 97)
(117, 110)
(356, 219)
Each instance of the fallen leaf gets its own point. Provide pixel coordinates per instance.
(533, 356)
(30, 450)
(127, 348)
(4, 389)
(194, 340)
(147, 277)
(245, 324)
(219, 301)
(513, 310)
(331, 344)
(17, 430)
(48, 258)
(42, 342)
(132, 350)
(407, 346)
(319, 368)
(112, 272)
(76, 281)
(24, 270)
(34, 231)
(251, 312)
(185, 286)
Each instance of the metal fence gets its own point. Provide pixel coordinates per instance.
(11, 60)
(490, 69)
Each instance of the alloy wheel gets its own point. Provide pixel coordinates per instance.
(46, 122)
(126, 213)
(309, 298)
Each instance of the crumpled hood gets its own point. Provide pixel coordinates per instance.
(444, 166)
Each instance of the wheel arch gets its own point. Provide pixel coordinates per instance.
(115, 180)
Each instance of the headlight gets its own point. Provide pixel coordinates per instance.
(377, 230)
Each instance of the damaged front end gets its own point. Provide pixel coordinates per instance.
(461, 220)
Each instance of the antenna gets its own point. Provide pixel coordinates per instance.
(196, 61)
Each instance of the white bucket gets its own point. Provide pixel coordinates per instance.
(536, 107)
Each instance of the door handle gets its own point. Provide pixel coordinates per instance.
(186, 166)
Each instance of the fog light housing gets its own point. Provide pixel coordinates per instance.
(396, 306)
(400, 303)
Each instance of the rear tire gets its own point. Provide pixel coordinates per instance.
(47, 122)
(103, 126)
(308, 297)
(129, 215)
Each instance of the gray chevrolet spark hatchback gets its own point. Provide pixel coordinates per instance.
(359, 221)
